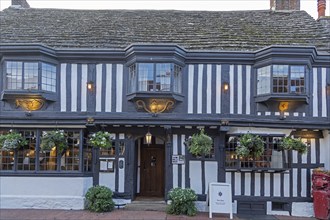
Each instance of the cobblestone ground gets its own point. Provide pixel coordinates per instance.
(37, 214)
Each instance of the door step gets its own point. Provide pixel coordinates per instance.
(146, 206)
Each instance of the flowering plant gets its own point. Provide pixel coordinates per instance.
(291, 143)
(250, 145)
(199, 144)
(182, 201)
(101, 139)
(12, 140)
(50, 139)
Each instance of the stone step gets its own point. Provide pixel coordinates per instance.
(146, 206)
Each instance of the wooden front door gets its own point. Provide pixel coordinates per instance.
(152, 170)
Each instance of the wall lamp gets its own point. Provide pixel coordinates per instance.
(148, 137)
(90, 86)
(225, 86)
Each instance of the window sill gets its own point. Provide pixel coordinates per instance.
(149, 95)
(28, 94)
(283, 97)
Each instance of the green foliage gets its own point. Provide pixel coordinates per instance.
(290, 143)
(99, 199)
(250, 145)
(182, 202)
(101, 139)
(50, 139)
(12, 140)
(200, 144)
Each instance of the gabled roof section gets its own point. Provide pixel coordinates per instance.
(193, 30)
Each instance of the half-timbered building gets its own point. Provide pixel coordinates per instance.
(168, 74)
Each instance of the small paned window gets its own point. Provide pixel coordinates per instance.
(281, 79)
(30, 76)
(88, 156)
(26, 154)
(48, 80)
(272, 157)
(70, 156)
(155, 77)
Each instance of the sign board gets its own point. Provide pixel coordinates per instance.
(106, 165)
(219, 199)
(177, 159)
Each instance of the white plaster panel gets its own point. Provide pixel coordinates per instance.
(195, 175)
(277, 184)
(239, 89)
(295, 182)
(314, 95)
(209, 89)
(257, 184)
(175, 166)
(63, 87)
(83, 87)
(199, 89)
(231, 89)
(218, 90)
(228, 177)
(302, 209)
(313, 151)
(267, 184)
(325, 150)
(211, 173)
(98, 86)
(183, 166)
(119, 88)
(44, 192)
(237, 187)
(287, 186)
(74, 87)
(248, 90)
(108, 91)
(108, 180)
(190, 88)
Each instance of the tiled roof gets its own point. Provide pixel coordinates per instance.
(193, 30)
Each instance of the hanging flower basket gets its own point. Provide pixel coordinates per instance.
(199, 144)
(101, 139)
(12, 141)
(291, 143)
(50, 139)
(250, 145)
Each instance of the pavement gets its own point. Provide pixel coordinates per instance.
(122, 214)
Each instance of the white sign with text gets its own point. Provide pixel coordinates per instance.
(219, 198)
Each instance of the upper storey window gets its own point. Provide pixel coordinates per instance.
(30, 76)
(281, 79)
(155, 77)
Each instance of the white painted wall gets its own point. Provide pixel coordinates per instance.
(325, 149)
(303, 209)
(195, 176)
(44, 192)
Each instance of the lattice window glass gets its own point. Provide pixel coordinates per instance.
(31, 76)
(26, 155)
(280, 78)
(88, 156)
(297, 79)
(163, 77)
(14, 75)
(132, 78)
(146, 77)
(48, 77)
(263, 80)
(70, 156)
(177, 82)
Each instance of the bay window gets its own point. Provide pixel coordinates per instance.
(155, 77)
(30, 76)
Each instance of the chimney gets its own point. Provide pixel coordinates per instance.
(19, 4)
(321, 5)
(284, 5)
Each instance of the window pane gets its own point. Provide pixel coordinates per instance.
(146, 77)
(30, 75)
(280, 78)
(263, 80)
(87, 156)
(48, 77)
(26, 154)
(163, 77)
(132, 78)
(177, 83)
(70, 156)
(14, 75)
(297, 79)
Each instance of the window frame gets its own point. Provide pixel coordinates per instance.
(39, 76)
(271, 84)
(173, 66)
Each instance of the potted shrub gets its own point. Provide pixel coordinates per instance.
(101, 139)
(99, 199)
(182, 202)
(291, 143)
(50, 139)
(199, 144)
(250, 145)
(12, 140)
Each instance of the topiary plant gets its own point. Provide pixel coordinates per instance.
(182, 202)
(199, 144)
(99, 199)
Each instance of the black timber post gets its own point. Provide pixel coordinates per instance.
(96, 166)
(168, 161)
(131, 169)
(221, 158)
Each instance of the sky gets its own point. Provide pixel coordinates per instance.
(213, 5)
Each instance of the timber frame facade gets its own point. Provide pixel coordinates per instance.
(279, 183)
